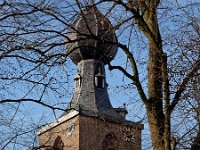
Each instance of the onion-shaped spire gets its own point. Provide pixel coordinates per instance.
(93, 36)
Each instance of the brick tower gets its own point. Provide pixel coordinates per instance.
(90, 122)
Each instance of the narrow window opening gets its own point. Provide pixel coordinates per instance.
(109, 142)
(99, 80)
(58, 144)
(77, 81)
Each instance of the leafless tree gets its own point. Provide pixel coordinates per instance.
(162, 63)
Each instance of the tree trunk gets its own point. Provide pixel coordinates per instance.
(166, 98)
(158, 85)
(157, 74)
(156, 123)
(155, 107)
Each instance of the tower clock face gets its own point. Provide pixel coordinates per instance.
(70, 129)
(129, 134)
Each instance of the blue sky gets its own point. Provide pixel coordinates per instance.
(120, 88)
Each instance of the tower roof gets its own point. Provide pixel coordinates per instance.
(88, 95)
(93, 45)
(94, 35)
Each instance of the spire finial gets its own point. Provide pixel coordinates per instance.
(92, 2)
(124, 104)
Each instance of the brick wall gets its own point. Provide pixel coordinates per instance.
(88, 133)
(93, 131)
(68, 134)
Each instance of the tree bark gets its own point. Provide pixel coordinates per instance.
(155, 113)
(156, 123)
(159, 124)
(155, 107)
(166, 98)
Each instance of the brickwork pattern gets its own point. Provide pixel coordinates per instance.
(69, 138)
(88, 133)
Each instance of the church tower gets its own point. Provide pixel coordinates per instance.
(90, 122)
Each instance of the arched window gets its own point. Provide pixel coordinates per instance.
(109, 142)
(58, 144)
